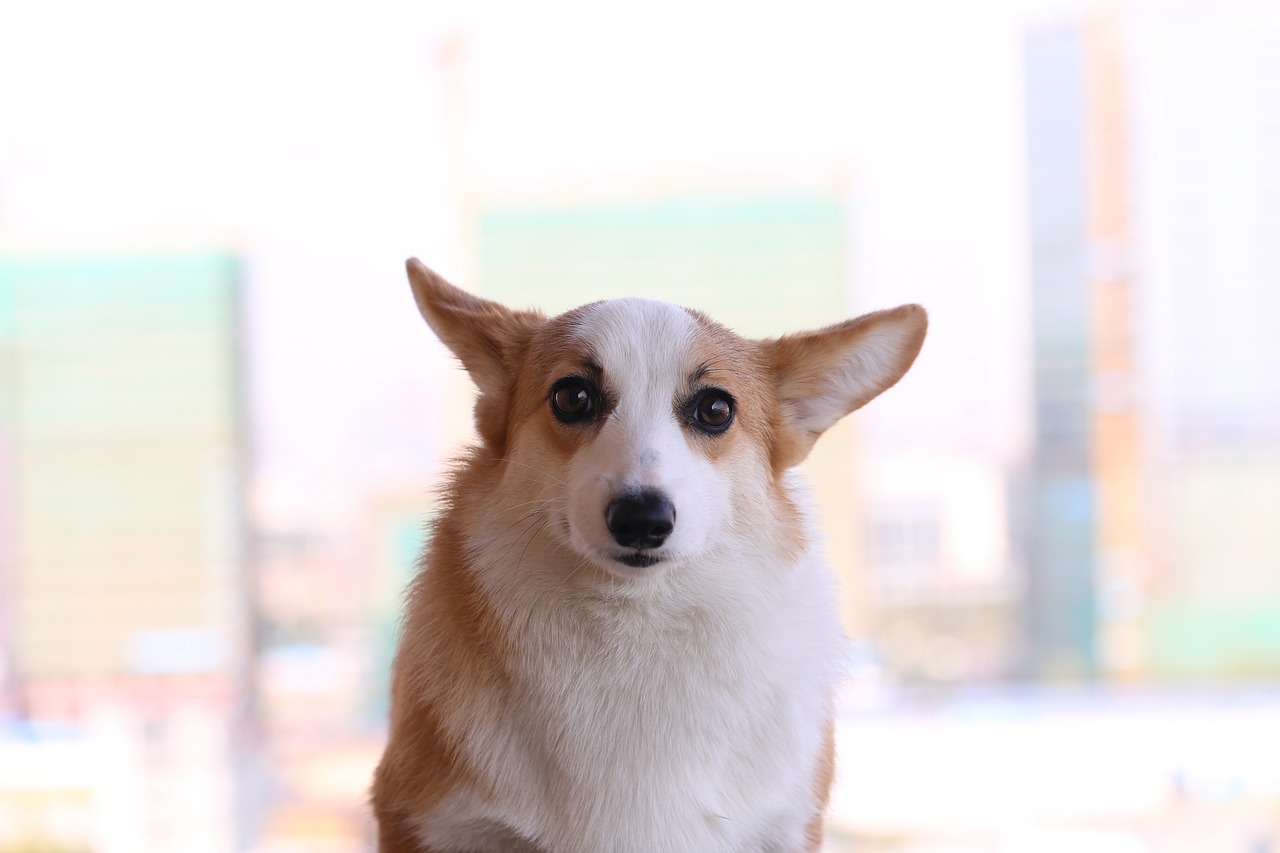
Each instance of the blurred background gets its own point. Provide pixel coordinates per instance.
(221, 419)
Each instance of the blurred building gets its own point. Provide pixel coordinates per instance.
(329, 602)
(1060, 613)
(127, 622)
(1205, 83)
(941, 576)
(1154, 486)
(764, 262)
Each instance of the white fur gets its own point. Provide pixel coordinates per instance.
(674, 709)
(642, 444)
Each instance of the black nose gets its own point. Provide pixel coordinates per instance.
(641, 520)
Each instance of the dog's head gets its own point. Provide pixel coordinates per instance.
(647, 433)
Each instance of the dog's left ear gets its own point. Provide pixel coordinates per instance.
(823, 375)
(484, 335)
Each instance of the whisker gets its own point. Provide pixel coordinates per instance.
(547, 476)
(535, 514)
(533, 517)
(581, 564)
(542, 503)
(532, 537)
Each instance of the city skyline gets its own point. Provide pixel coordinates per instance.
(1074, 489)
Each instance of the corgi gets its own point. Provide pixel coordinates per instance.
(623, 638)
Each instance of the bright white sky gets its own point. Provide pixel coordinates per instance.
(309, 137)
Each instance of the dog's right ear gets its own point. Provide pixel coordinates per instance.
(825, 374)
(484, 335)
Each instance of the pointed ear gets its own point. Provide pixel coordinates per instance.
(484, 335)
(822, 376)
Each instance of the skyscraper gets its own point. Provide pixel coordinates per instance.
(1060, 606)
(1206, 196)
(126, 593)
(1154, 551)
(124, 422)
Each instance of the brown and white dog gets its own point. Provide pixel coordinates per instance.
(622, 637)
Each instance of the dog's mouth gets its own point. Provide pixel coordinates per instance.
(638, 559)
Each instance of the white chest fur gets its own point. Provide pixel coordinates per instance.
(647, 723)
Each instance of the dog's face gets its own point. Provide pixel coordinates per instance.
(644, 420)
(649, 434)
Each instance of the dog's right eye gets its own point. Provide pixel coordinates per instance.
(572, 400)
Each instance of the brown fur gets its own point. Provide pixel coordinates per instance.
(823, 777)
(803, 363)
(450, 624)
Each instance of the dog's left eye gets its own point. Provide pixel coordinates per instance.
(713, 411)
(572, 399)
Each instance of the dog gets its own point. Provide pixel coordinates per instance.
(622, 638)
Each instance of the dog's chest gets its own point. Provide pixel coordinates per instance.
(630, 729)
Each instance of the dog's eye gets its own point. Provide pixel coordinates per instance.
(713, 411)
(572, 399)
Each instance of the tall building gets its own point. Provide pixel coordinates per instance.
(1060, 613)
(1206, 196)
(126, 601)
(125, 467)
(1154, 479)
(764, 262)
